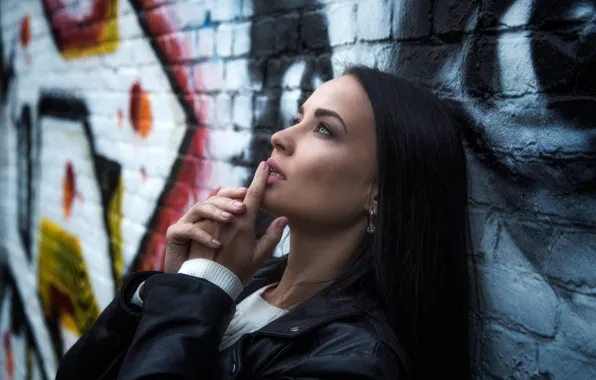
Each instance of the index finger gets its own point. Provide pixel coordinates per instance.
(255, 192)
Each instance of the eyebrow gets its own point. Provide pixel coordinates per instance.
(320, 112)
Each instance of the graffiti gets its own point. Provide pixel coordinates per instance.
(120, 115)
(21, 354)
(83, 32)
(64, 286)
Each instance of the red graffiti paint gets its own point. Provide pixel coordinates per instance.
(25, 35)
(120, 118)
(9, 354)
(69, 190)
(191, 169)
(143, 174)
(139, 111)
(76, 35)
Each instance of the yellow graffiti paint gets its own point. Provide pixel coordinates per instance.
(106, 41)
(64, 285)
(114, 223)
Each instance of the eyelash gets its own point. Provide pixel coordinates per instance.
(294, 121)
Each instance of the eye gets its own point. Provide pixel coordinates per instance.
(323, 129)
(294, 121)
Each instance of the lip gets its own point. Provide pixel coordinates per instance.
(273, 165)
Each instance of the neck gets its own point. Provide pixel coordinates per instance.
(314, 262)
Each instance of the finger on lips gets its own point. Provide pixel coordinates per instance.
(255, 192)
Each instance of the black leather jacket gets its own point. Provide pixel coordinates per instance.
(183, 319)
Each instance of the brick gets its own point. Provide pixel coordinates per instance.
(141, 52)
(555, 61)
(374, 20)
(225, 10)
(519, 299)
(294, 74)
(243, 111)
(223, 106)
(578, 324)
(516, 73)
(241, 39)
(224, 145)
(191, 14)
(523, 245)
(238, 76)
(206, 42)
(128, 27)
(224, 174)
(263, 36)
(558, 362)
(455, 16)
(208, 76)
(266, 112)
(572, 259)
(411, 19)
(207, 108)
(507, 354)
(289, 103)
(247, 8)
(548, 14)
(342, 23)
(223, 44)
(287, 32)
(314, 33)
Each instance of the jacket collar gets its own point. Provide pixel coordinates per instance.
(327, 306)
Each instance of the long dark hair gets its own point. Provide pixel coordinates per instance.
(415, 265)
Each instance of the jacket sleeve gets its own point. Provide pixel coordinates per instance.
(99, 350)
(175, 339)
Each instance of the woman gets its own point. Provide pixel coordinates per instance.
(371, 179)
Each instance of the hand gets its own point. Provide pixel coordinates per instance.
(180, 234)
(238, 252)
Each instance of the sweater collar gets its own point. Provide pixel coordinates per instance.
(329, 305)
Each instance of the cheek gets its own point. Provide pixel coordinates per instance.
(333, 176)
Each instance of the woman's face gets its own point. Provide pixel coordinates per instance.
(328, 159)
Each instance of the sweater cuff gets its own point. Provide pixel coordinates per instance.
(215, 273)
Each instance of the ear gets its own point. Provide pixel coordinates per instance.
(372, 203)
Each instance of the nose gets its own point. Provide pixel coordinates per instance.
(282, 141)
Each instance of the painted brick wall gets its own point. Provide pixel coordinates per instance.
(118, 115)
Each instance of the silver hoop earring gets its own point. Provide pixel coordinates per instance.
(371, 226)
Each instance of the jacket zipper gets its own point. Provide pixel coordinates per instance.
(286, 347)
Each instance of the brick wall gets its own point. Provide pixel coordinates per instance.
(118, 115)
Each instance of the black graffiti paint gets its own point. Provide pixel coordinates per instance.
(28, 148)
(547, 181)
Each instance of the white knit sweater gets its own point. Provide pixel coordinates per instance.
(251, 314)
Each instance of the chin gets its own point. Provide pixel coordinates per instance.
(274, 204)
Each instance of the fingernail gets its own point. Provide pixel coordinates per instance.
(238, 204)
(242, 189)
(215, 242)
(226, 214)
(263, 165)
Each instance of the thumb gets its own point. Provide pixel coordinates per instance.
(270, 239)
